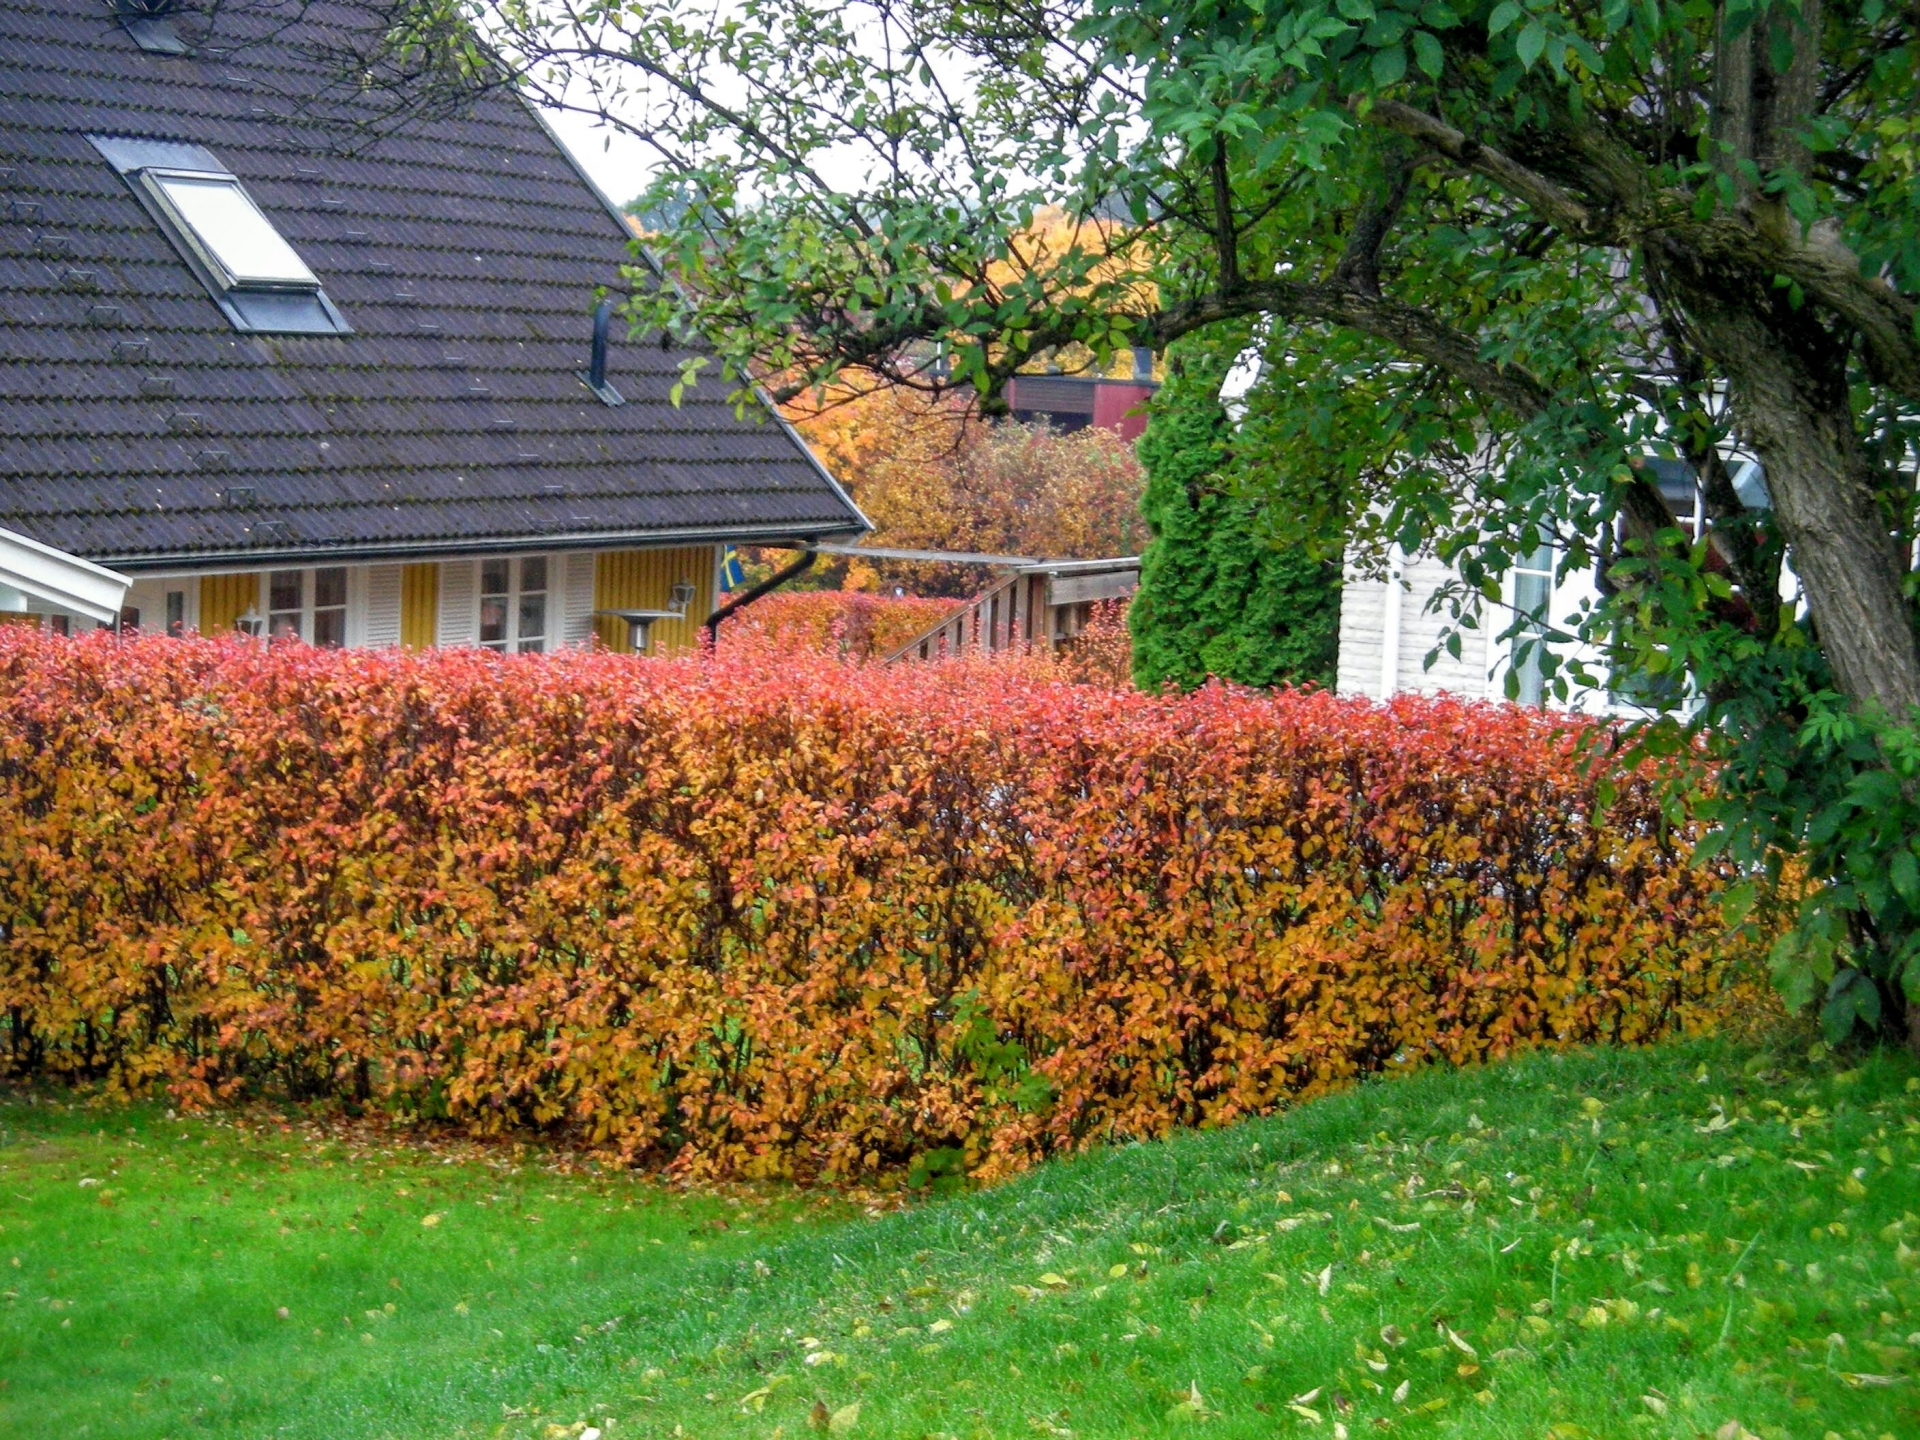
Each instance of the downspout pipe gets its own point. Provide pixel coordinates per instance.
(771, 583)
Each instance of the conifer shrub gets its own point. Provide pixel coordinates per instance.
(1218, 597)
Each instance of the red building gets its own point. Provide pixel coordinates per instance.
(1073, 402)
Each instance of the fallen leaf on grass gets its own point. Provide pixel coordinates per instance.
(1192, 1406)
(1401, 1391)
(429, 1221)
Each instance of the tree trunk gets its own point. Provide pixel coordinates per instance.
(1788, 385)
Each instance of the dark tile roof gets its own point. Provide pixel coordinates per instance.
(130, 408)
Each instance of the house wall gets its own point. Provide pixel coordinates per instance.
(225, 598)
(419, 605)
(149, 599)
(644, 580)
(423, 605)
(1386, 632)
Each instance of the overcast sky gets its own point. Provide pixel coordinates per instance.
(617, 162)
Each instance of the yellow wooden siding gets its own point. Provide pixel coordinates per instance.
(644, 580)
(224, 599)
(419, 606)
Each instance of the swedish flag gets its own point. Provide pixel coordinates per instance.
(732, 573)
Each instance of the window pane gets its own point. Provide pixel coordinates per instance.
(1530, 594)
(330, 627)
(330, 586)
(176, 612)
(1532, 683)
(493, 577)
(533, 573)
(230, 225)
(493, 620)
(283, 590)
(533, 619)
(284, 626)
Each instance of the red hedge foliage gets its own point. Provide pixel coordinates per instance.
(756, 915)
(847, 623)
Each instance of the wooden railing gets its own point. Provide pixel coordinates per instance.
(1010, 614)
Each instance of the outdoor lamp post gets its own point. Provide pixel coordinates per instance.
(640, 622)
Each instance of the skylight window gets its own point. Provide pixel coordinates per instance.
(252, 273)
(236, 241)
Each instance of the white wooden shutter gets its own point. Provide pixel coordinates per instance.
(576, 598)
(459, 602)
(380, 609)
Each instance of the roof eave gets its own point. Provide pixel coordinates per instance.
(200, 561)
(51, 578)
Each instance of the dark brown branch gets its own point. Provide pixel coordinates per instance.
(1226, 239)
(1553, 204)
(1359, 265)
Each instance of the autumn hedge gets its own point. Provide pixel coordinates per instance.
(851, 624)
(752, 915)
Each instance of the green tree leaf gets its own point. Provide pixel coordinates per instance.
(1426, 53)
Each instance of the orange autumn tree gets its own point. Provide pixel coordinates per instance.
(933, 475)
(934, 482)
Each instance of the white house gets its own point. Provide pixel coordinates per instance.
(1389, 625)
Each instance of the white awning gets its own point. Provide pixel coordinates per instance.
(41, 580)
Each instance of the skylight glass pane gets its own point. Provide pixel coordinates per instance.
(233, 231)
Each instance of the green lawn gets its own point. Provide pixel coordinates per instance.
(1689, 1241)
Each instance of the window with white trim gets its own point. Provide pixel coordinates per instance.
(514, 612)
(237, 242)
(230, 243)
(308, 605)
(1532, 593)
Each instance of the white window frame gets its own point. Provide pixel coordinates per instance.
(1529, 668)
(206, 248)
(513, 642)
(308, 610)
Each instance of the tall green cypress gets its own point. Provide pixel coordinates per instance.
(1216, 597)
